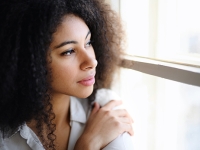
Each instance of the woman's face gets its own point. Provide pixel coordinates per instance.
(72, 59)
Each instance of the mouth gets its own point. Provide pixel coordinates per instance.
(88, 81)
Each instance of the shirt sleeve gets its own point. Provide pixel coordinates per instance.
(122, 142)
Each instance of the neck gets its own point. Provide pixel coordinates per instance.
(61, 103)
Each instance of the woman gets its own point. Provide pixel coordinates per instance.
(49, 75)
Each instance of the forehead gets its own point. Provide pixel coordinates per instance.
(71, 25)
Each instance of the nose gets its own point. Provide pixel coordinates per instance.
(88, 60)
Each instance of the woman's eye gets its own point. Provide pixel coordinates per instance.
(68, 52)
(88, 43)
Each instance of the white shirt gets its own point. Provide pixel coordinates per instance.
(25, 139)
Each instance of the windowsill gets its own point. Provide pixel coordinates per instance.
(173, 71)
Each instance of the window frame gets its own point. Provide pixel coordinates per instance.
(183, 73)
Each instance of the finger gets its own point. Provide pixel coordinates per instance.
(123, 113)
(129, 116)
(129, 129)
(125, 120)
(113, 103)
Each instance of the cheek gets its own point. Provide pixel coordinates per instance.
(62, 68)
(61, 79)
(62, 72)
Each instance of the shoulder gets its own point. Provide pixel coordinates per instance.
(124, 141)
(1, 140)
(6, 136)
(22, 138)
(9, 139)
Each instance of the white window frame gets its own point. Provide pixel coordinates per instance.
(183, 73)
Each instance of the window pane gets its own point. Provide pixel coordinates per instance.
(166, 113)
(163, 29)
(188, 14)
(179, 31)
(135, 17)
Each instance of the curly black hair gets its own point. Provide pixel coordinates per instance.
(26, 29)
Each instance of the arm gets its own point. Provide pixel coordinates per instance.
(103, 126)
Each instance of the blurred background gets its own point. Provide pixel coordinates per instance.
(166, 112)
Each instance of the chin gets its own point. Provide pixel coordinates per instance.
(85, 93)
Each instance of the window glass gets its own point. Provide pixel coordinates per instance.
(166, 113)
(179, 31)
(163, 29)
(135, 19)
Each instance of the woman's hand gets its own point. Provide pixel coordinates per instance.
(103, 126)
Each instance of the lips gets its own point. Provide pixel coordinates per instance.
(88, 81)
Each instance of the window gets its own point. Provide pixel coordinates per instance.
(179, 31)
(166, 113)
(160, 79)
(163, 29)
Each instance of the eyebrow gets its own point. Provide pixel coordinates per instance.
(70, 42)
(88, 34)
